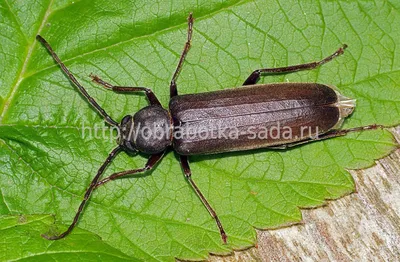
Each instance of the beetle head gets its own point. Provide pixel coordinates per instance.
(126, 134)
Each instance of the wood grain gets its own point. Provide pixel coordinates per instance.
(364, 226)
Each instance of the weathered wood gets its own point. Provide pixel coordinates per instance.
(364, 226)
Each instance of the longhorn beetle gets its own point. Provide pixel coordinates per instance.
(190, 124)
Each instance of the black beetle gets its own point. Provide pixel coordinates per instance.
(221, 121)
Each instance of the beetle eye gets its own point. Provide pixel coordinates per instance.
(128, 146)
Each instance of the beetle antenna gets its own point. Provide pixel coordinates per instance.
(89, 191)
(81, 89)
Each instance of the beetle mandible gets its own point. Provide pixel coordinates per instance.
(190, 124)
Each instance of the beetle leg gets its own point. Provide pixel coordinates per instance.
(151, 162)
(331, 134)
(188, 174)
(149, 93)
(173, 88)
(100, 81)
(255, 76)
(72, 78)
(88, 193)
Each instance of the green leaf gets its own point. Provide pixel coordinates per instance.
(46, 163)
(16, 230)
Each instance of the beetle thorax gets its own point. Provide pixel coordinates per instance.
(148, 131)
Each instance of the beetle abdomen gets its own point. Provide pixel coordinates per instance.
(255, 116)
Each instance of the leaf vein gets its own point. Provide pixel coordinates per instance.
(21, 77)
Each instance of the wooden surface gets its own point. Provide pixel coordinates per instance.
(364, 226)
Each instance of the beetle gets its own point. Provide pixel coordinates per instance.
(190, 124)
